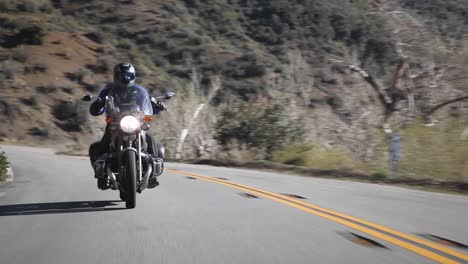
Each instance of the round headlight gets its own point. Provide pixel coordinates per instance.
(129, 124)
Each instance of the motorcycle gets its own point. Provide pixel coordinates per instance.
(128, 166)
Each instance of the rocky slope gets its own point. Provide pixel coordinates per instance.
(341, 70)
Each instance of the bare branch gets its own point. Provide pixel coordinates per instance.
(437, 107)
(385, 99)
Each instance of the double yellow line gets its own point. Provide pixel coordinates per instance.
(390, 235)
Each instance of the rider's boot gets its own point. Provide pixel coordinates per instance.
(100, 173)
(103, 184)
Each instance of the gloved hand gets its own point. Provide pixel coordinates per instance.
(96, 108)
(158, 104)
(161, 105)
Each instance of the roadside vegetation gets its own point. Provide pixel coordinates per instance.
(3, 166)
(439, 152)
(319, 158)
(260, 128)
(266, 79)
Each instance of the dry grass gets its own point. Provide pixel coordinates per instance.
(436, 152)
(439, 152)
(319, 158)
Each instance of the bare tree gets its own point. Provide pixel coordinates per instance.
(413, 43)
(201, 104)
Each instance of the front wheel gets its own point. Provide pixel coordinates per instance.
(130, 174)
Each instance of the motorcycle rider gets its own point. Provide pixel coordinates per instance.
(124, 78)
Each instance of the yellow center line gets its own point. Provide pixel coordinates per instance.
(374, 225)
(337, 217)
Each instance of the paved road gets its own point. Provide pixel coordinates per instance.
(53, 213)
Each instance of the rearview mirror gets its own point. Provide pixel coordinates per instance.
(169, 95)
(86, 98)
(166, 96)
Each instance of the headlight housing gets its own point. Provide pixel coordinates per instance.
(129, 124)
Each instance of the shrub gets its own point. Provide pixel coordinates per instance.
(103, 65)
(246, 66)
(31, 34)
(194, 40)
(180, 72)
(192, 3)
(158, 60)
(3, 166)
(175, 55)
(379, 176)
(49, 88)
(36, 68)
(21, 55)
(263, 126)
(39, 131)
(95, 36)
(30, 6)
(181, 34)
(67, 90)
(33, 101)
(71, 116)
(90, 87)
(10, 69)
(126, 44)
(7, 5)
(77, 76)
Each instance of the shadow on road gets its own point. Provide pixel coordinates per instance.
(59, 207)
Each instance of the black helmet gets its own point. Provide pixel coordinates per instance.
(124, 74)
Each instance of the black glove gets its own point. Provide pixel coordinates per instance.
(158, 105)
(161, 106)
(96, 107)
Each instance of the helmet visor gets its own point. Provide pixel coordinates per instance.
(127, 77)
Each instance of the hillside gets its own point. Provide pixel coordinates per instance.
(323, 75)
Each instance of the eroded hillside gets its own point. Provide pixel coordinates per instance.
(328, 75)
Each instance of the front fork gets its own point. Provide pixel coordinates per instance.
(142, 180)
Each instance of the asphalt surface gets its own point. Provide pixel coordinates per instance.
(53, 213)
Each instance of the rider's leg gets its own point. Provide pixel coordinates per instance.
(154, 146)
(100, 147)
(156, 150)
(93, 151)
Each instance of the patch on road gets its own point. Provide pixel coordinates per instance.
(293, 196)
(191, 178)
(361, 240)
(221, 178)
(248, 195)
(444, 241)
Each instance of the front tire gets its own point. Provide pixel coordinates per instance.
(130, 190)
